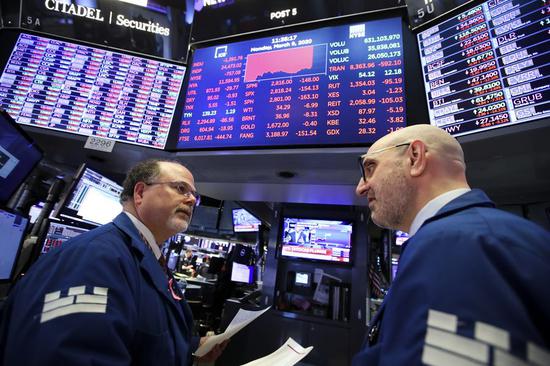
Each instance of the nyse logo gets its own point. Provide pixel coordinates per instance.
(428, 8)
(220, 52)
(357, 31)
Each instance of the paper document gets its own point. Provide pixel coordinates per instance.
(241, 320)
(289, 354)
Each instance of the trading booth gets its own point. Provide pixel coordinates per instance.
(268, 103)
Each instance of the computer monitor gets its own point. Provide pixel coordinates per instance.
(316, 239)
(57, 234)
(12, 233)
(92, 91)
(92, 199)
(205, 218)
(487, 67)
(244, 221)
(242, 273)
(332, 86)
(18, 155)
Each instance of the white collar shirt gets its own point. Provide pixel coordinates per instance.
(431, 208)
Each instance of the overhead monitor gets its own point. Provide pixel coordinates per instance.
(12, 233)
(336, 85)
(244, 221)
(90, 91)
(488, 67)
(93, 199)
(57, 234)
(18, 156)
(315, 239)
(204, 218)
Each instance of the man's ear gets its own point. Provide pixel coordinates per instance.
(417, 157)
(138, 192)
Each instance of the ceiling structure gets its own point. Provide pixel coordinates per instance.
(511, 164)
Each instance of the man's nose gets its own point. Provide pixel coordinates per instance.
(362, 188)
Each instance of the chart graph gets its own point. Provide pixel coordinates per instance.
(301, 61)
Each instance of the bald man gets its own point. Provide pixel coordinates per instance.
(105, 297)
(472, 285)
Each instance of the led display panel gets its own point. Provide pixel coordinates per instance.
(488, 67)
(338, 85)
(90, 91)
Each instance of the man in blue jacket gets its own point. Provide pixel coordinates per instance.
(472, 284)
(104, 298)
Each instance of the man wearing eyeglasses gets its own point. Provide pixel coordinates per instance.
(105, 297)
(471, 288)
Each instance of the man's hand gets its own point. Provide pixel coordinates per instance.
(214, 353)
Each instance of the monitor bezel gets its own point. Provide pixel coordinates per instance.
(10, 37)
(415, 106)
(540, 124)
(62, 204)
(20, 248)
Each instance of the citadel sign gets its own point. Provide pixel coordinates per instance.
(97, 15)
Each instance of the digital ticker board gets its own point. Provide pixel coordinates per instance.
(339, 85)
(489, 66)
(90, 91)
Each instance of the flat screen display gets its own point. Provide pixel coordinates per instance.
(488, 67)
(338, 85)
(90, 91)
(58, 233)
(12, 232)
(204, 217)
(242, 273)
(94, 199)
(18, 156)
(244, 221)
(324, 240)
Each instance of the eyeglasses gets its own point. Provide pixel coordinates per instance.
(367, 171)
(182, 188)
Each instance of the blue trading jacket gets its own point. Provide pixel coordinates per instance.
(101, 299)
(472, 285)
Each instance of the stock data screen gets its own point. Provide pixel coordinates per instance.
(90, 91)
(334, 85)
(489, 66)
